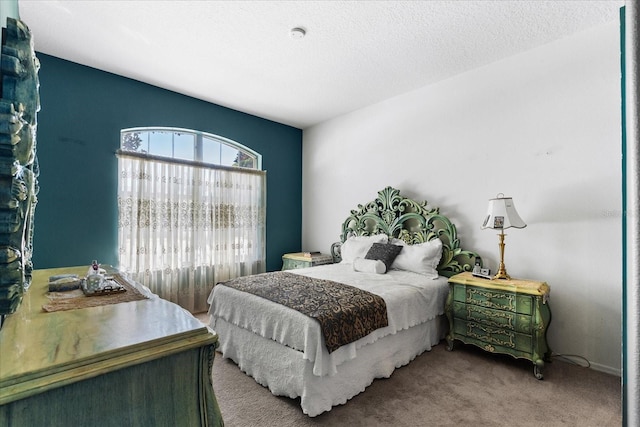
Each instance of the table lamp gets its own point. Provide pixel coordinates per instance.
(502, 214)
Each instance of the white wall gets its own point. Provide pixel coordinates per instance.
(542, 127)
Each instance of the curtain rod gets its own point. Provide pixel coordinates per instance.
(143, 156)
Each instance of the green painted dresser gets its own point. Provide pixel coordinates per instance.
(140, 363)
(303, 260)
(500, 316)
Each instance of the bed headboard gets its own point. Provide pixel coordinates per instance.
(411, 221)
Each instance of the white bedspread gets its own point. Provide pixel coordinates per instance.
(411, 299)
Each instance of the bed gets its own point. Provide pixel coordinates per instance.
(297, 355)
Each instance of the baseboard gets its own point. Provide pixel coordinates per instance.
(606, 369)
(579, 360)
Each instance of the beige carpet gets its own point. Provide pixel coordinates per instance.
(466, 387)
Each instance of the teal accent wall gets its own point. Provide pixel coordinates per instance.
(84, 109)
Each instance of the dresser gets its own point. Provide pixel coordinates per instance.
(500, 316)
(138, 363)
(302, 260)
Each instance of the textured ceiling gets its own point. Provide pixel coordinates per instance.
(239, 53)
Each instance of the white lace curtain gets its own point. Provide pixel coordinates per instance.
(182, 227)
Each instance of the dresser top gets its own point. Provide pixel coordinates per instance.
(530, 287)
(41, 350)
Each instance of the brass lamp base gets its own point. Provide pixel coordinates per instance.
(502, 270)
(502, 273)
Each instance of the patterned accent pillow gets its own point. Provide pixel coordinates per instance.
(385, 252)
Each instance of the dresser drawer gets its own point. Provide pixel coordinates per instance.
(494, 299)
(490, 317)
(496, 336)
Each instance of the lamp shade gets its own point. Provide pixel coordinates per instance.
(502, 214)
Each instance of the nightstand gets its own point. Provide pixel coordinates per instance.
(303, 260)
(500, 316)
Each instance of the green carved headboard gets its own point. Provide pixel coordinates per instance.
(411, 221)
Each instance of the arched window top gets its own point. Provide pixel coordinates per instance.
(190, 145)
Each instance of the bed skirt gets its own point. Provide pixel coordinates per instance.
(284, 371)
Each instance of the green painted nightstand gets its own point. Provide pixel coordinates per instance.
(302, 260)
(500, 316)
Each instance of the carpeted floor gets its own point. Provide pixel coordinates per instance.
(440, 388)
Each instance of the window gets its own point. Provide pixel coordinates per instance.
(191, 212)
(183, 144)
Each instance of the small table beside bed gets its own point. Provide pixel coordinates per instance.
(388, 290)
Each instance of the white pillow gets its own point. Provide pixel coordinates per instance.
(422, 258)
(369, 266)
(358, 246)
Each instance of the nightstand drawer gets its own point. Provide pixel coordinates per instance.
(498, 300)
(496, 318)
(495, 336)
(299, 260)
(291, 264)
